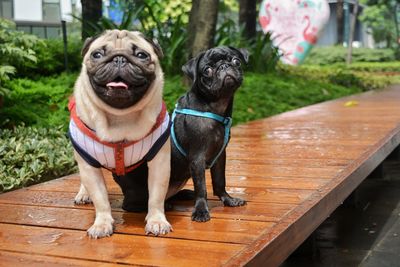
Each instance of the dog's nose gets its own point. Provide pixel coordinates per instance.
(119, 61)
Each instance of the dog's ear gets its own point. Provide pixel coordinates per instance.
(157, 48)
(155, 44)
(87, 43)
(190, 68)
(244, 53)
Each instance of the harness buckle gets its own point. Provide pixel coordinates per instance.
(227, 121)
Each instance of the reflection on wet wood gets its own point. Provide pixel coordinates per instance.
(294, 169)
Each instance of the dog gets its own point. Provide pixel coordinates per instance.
(201, 126)
(119, 122)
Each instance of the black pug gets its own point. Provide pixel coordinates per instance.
(201, 125)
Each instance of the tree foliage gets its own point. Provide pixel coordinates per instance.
(16, 48)
(382, 16)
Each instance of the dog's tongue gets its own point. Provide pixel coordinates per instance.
(117, 85)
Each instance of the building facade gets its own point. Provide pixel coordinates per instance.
(39, 17)
(329, 36)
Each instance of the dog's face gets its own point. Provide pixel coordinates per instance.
(217, 72)
(121, 66)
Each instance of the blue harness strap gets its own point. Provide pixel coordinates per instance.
(226, 121)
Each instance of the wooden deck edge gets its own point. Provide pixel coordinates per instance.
(316, 209)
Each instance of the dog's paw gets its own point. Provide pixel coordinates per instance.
(201, 215)
(158, 227)
(102, 227)
(82, 197)
(233, 202)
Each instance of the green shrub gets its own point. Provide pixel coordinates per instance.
(31, 155)
(344, 78)
(174, 87)
(16, 49)
(392, 66)
(50, 58)
(337, 54)
(341, 74)
(268, 94)
(42, 103)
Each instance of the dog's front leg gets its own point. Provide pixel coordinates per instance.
(197, 170)
(92, 179)
(159, 173)
(219, 183)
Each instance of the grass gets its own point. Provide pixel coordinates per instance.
(265, 95)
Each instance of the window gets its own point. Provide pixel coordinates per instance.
(51, 11)
(53, 32)
(6, 9)
(39, 31)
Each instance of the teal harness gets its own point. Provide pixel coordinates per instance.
(226, 121)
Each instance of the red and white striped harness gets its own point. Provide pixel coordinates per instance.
(119, 157)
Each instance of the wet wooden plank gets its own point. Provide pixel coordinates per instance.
(269, 212)
(274, 246)
(126, 249)
(23, 259)
(240, 231)
(270, 180)
(294, 169)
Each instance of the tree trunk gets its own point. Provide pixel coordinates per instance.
(351, 35)
(340, 22)
(396, 25)
(248, 17)
(91, 14)
(202, 24)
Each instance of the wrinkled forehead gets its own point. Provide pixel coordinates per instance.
(121, 40)
(217, 54)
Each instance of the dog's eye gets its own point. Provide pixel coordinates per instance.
(236, 62)
(208, 72)
(97, 55)
(142, 55)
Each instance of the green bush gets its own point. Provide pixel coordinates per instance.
(50, 58)
(345, 78)
(337, 54)
(30, 155)
(16, 49)
(392, 66)
(268, 94)
(42, 103)
(341, 74)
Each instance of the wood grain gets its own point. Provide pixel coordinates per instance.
(293, 169)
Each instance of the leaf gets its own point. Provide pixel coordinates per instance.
(351, 103)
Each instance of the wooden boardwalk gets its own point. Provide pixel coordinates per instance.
(294, 169)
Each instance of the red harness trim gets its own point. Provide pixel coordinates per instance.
(118, 147)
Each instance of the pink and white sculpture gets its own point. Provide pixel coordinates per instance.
(294, 25)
